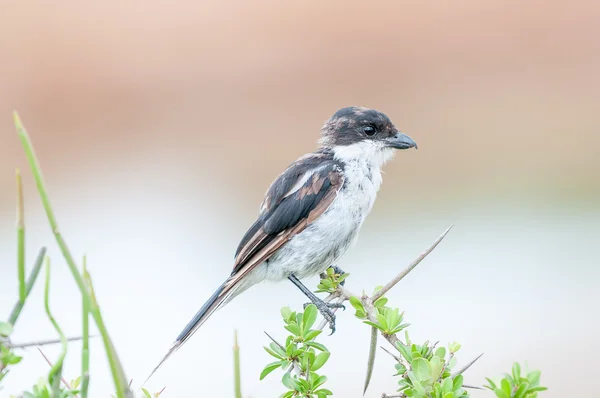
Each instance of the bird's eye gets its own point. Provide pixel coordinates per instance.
(369, 130)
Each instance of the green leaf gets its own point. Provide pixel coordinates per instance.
(5, 329)
(492, 386)
(320, 360)
(454, 347)
(319, 381)
(309, 317)
(269, 368)
(286, 380)
(273, 353)
(520, 393)
(293, 328)
(316, 345)
(457, 382)
(146, 393)
(516, 372)
(405, 351)
(286, 313)
(505, 387)
(421, 369)
(75, 383)
(383, 322)
(311, 335)
(440, 352)
(437, 366)
(534, 377)
(375, 325)
(501, 394)
(447, 385)
(380, 302)
(536, 389)
(323, 393)
(357, 304)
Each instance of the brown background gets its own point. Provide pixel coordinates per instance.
(159, 126)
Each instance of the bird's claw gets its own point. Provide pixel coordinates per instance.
(326, 310)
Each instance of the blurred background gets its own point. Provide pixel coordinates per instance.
(159, 127)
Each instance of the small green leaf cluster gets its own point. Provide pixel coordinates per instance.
(148, 394)
(7, 356)
(44, 390)
(302, 352)
(389, 320)
(425, 371)
(517, 385)
(330, 281)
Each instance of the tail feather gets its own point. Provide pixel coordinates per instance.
(215, 301)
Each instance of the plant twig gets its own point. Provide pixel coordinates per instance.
(37, 266)
(397, 358)
(274, 341)
(40, 343)
(410, 267)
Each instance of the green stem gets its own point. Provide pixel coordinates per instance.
(21, 238)
(85, 351)
(56, 371)
(119, 378)
(37, 266)
(236, 367)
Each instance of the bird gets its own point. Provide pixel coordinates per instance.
(312, 212)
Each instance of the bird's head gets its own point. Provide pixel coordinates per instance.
(357, 132)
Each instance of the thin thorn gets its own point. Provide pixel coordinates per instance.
(275, 341)
(51, 365)
(467, 366)
(411, 266)
(472, 387)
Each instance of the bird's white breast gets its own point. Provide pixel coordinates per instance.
(327, 238)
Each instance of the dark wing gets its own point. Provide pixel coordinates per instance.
(298, 197)
(294, 200)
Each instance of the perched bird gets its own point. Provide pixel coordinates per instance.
(312, 212)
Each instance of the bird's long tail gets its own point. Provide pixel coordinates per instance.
(220, 297)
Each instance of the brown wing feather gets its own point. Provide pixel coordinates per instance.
(263, 244)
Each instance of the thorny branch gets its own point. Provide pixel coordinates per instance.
(342, 294)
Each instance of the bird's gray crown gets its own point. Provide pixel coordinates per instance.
(354, 124)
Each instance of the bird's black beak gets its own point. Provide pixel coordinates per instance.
(401, 141)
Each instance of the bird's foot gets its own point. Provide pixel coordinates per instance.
(326, 310)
